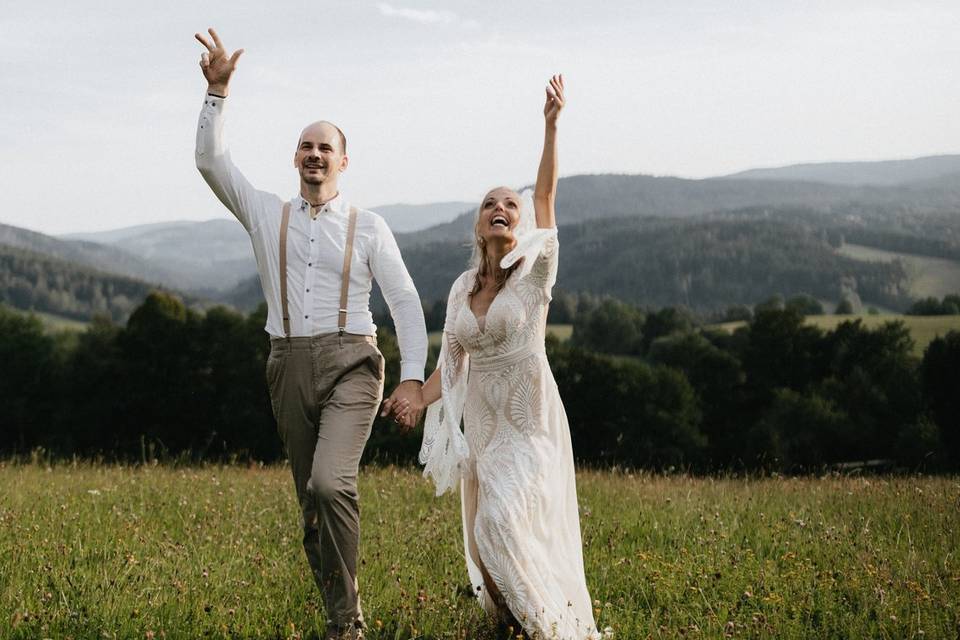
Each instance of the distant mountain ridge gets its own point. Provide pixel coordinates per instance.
(877, 173)
(214, 259)
(115, 235)
(102, 257)
(33, 281)
(413, 217)
(591, 197)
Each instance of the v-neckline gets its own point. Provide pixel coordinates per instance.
(476, 320)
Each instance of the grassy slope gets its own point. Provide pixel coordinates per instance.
(104, 552)
(923, 328)
(935, 277)
(53, 322)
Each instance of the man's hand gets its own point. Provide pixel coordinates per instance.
(405, 405)
(216, 63)
(555, 102)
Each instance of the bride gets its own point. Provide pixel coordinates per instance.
(513, 460)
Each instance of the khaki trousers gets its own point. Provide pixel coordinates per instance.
(325, 391)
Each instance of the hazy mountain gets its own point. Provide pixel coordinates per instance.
(882, 173)
(33, 281)
(216, 253)
(101, 257)
(414, 217)
(591, 197)
(215, 259)
(115, 235)
(208, 256)
(705, 262)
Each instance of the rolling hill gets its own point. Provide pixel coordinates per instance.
(650, 240)
(32, 281)
(883, 173)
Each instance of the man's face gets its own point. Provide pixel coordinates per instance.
(319, 157)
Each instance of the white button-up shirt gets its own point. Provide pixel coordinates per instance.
(315, 248)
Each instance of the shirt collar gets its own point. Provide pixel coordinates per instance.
(337, 205)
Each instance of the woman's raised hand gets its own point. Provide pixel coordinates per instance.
(555, 100)
(216, 63)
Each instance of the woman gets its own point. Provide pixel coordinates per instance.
(513, 460)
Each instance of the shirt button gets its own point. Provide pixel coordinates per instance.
(308, 290)
(309, 264)
(311, 239)
(306, 316)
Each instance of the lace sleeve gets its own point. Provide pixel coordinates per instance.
(538, 249)
(444, 448)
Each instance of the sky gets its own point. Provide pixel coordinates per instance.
(443, 100)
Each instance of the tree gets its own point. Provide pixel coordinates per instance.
(871, 375)
(27, 381)
(613, 327)
(738, 312)
(717, 379)
(941, 389)
(622, 411)
(800, 432)
(844, 307)
(781, 351)
(667, 321)
(805, 304)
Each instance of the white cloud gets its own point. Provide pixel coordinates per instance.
(423, 16)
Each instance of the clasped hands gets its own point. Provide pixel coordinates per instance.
(405, 405)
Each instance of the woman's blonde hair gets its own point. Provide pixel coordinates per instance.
(479, 259)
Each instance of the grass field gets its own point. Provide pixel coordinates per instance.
(923, 329)
(54, 323)
(928, 276)
(157, 552)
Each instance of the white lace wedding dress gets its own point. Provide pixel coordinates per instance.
(513, 460)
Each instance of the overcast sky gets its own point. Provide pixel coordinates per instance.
(442, 100)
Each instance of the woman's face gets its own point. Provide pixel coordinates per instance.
(499, 216)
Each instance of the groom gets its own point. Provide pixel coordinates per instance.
(317, 255)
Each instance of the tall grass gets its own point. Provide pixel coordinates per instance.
(92, 551)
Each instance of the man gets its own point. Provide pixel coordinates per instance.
(316, 256)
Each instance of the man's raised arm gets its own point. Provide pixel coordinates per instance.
(213, 159)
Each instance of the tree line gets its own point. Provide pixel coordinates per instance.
(641, 389)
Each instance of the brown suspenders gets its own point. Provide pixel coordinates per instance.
(345, 281)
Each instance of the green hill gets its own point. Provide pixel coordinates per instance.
(705, 263)
(32, 281)
(926, 276)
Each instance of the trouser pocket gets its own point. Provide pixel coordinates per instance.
(276, 363)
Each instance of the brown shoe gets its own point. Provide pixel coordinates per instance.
(345, 632)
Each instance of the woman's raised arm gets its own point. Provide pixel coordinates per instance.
(545, 192)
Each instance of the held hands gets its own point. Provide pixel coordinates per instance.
(216, 63)
(555, 101)
(405, 405)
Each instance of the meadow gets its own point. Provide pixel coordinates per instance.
(923, 329)
(96, 551)
(928, 276)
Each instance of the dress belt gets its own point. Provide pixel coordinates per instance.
(492, 363)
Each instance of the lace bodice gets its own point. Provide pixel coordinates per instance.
(515, 325)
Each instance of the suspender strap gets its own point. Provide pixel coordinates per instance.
(347, 259)
(284, 225)
(345, 283)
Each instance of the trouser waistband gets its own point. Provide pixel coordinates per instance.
(323, 339)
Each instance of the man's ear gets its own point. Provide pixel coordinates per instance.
(344, 163)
